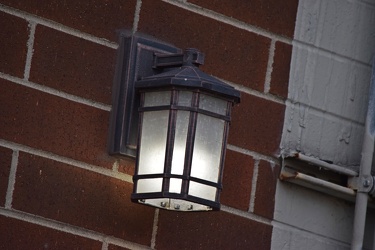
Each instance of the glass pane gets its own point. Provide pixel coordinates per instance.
(153, 142)
(157, 98)
(202, 191)
(182, 124)
(184, 98)
(149, 185)
(175, 185)
(213, 104)
(207, 148)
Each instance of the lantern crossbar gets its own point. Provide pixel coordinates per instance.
(184, 108)
(177, 176)
(205, 182)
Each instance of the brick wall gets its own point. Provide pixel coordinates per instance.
(59, 188)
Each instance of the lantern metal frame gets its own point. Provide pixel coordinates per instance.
(147, 65)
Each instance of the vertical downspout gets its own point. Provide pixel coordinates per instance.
(365, 169)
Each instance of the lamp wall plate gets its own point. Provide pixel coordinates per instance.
(133, 49)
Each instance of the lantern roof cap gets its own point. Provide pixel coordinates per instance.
(191, 77)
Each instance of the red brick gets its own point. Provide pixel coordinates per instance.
(16, 234)
(237, 178)
(232, 54)
(79, 197)
(280, 70)
(257, 125)
(73, 65)
(125, 165)
(5, 162)
(266, 188)
(272, 15)
(213, 230)
(54, 124)
(13, 39)
(100, 18)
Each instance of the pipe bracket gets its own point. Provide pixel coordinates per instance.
(363, 184)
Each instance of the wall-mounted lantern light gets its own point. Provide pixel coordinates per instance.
(180, 117)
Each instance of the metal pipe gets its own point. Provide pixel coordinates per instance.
(292, 171)
(321, 184)
(364, 170)
(333, 167)
(359, 221)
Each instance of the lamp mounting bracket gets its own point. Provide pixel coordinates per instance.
(189, 57)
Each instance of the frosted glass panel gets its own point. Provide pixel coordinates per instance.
(153, 142)
(157, 98)
(149, 185)
(202, 191)
(175, 185)
(213, 104)
(184, 98)
(207, 148)
(182, 123)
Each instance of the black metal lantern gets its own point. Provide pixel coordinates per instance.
(184, 116)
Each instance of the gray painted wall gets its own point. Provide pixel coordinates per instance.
(333, 46)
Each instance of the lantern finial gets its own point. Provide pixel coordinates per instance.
(193, 57)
